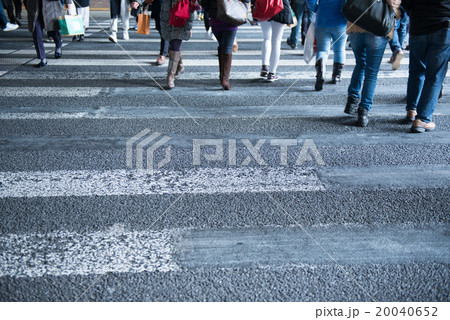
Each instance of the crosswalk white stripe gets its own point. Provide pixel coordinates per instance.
(67, 253)
(49, 92)
(236, 75)
(189, 62)
(138, 182)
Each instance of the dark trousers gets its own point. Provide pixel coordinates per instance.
(39, 41)
(226, 40)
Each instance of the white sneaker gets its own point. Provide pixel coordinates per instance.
(126, 36)
(10, 26)
(113, 37)
(209, 35)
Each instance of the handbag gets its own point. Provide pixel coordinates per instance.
(144, 22)
(233, 12)
(179, 13)
(71, 25)
(375, 16)
(265, 10)
(309, 48)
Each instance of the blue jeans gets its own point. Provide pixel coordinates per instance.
(368, 50)
(428, 64)
(324, 36)
(3, 20)
(226, 40)
(298, 6)
(400, 32)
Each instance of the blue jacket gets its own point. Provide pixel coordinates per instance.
(328, 13)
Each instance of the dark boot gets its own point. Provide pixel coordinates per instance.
(174, 59)
(180, 68)
(352, 105)
(337, 71)
(319, 76)
(226, 61)
(219, 54)
(363, 117)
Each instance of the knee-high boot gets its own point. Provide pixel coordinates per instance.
(337, 72)
(219, 54)
(174, 59)
(226, 62)
(180, 68)
(319, 76)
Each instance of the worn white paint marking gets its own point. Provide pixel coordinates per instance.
(135, 182)
(49, 115)
(65, 253)
(186, 62)
(49, 92)
(186, 76)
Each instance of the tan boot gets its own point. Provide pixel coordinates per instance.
(411, 115)
(419, 126)
(180, 68)
(174, 59)
(226, 61)
(235, 45)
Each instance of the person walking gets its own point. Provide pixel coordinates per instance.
(175, 36)
(225, 34)
(398, 38)
(120, 8)
(43, 14)
(4, 24)
(330, 29)
(163, 44)
(368, 50)
(429, 47)
(298, 6)
(82, 10)
(272, 36)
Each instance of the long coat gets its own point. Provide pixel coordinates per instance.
(51, 11)
(169, 32)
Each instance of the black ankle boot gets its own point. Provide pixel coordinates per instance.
(363, 117)
(319, 76)
(337, 72)
(352, 105)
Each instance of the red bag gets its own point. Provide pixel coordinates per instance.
(180, 13)
(267, 9)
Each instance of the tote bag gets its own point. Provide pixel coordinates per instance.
(233, 12)
(375, 16)
(267, 9)
(144, 22)
(71, 25)
(179, 13)
(310, 40)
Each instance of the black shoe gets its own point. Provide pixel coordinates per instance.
(337, 72)
(319, 75)
(58, 53)
(363, 117)
(81, 37)
(74, 38)
(41, 64)
(290, 44)
(352, 105)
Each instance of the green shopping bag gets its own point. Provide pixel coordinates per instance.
(71, 25)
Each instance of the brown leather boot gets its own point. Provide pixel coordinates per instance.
(226, 61)
(174, 59)
(180, 68)
(420, 126)
(219, 54)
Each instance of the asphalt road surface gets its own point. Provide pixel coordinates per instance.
(112, 189)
